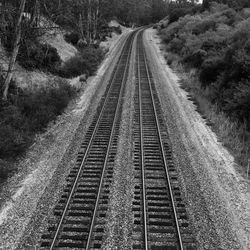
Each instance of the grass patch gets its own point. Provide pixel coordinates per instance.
(26, 114)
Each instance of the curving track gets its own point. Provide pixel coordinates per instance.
(84, 202)
(160, 218)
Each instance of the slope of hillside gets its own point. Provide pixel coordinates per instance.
(35, 78)
(49, 160)
(213, 49)
(55, 38)
(217, 195)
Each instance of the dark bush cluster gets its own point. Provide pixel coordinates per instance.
(28, 113)
(72, 38)
(176, 13)
(117, 29)
(217, 43)
(86, 62)
(33, 55)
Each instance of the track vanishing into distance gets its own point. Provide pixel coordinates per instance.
(78, 216)
(160, 218)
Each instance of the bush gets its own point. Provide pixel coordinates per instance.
(33, 55)
(204, 26)
(176, 45)
(216, 44)
(117, 29)
(6, 169)
(237, 104)
(196, 59)
(29, 113)
(86, 61)
(44, 105)
(72, 38)
(13, 132)
(172, 58)
(210, 69)
(176, 13)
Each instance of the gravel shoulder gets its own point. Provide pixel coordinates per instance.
(217, 197)
(28, 196)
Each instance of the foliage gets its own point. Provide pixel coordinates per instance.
(28, 113)
(86, 61)
(72, 38)
(176, 13)
(126, 11)
(236, 4)
(33, 55)
(217, 44)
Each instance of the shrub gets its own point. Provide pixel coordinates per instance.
(202, 27)
(216, 44)
(176, 45)
(29, 114)
(172, 58)
(210, 69)
(238, 103)
(117, 29)
(75, 66)
(196, 59)
(86, 61)
(44, 105)
(72, 38)
(5, 169)
(176, 13)
(33, 55)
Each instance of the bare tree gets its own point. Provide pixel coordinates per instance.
(16, 46)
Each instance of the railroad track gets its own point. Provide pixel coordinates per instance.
(79, 216)
(160, 217)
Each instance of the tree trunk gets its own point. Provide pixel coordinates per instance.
(15, 51)
(96, 20)
(89, 22)
(81, 26)
(34, 14)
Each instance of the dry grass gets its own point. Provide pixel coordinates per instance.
(234, 135)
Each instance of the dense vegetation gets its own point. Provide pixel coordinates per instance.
(85, 62)
(26, 114)
(216, 43)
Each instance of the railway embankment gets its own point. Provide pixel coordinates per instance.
(217, 196)
(27, 196)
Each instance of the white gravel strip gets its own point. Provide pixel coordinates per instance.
(218, 197)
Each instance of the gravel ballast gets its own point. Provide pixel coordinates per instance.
(217, 197)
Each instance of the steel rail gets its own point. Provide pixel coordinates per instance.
(124, 78)
(87, 150)
(163, 154)
(142, 157)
